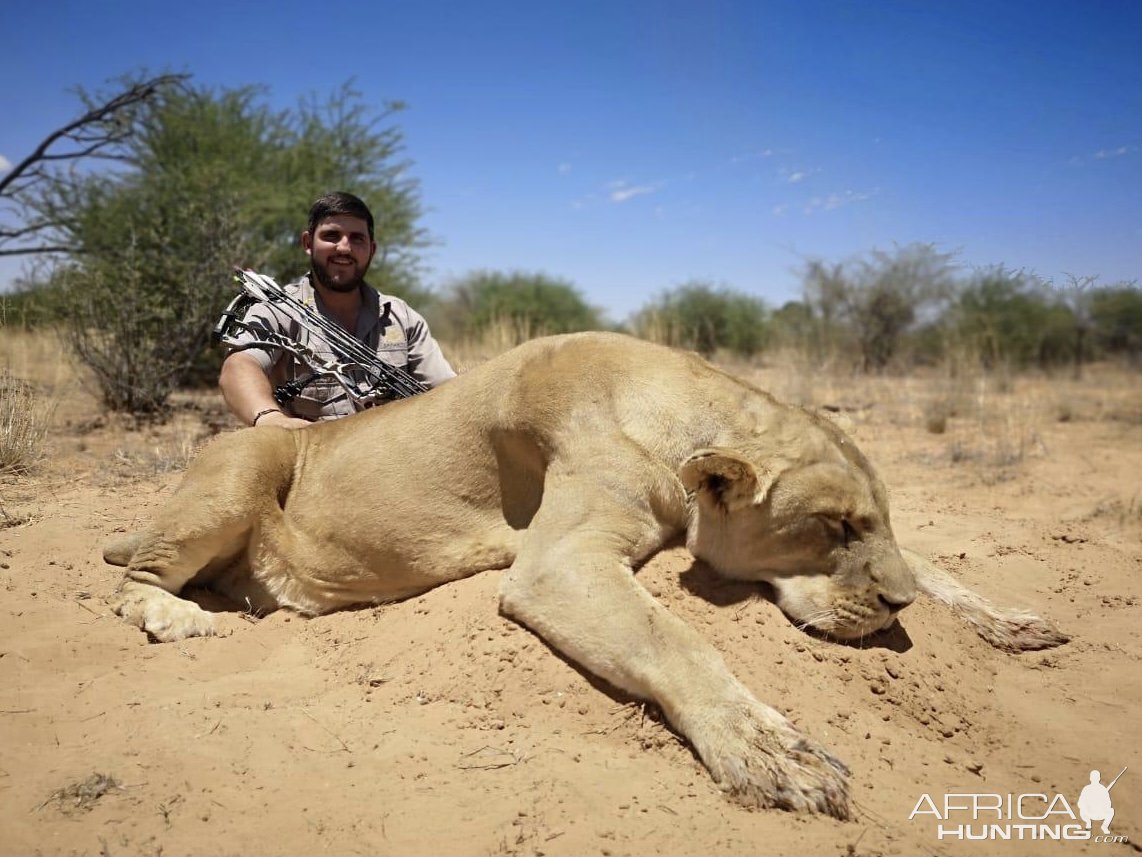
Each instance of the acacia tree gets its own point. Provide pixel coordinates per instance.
(1011, 319)
(701, 317)
(874, 301)
(516, 305)
(206, 180)
(1116, 313)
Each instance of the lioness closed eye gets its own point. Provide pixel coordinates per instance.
(567, 461)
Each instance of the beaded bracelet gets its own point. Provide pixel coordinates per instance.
(261, 414)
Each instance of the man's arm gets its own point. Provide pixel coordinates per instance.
(248, 392)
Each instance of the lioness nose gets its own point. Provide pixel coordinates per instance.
(894, 605)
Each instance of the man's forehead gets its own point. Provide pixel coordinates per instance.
(344, 223)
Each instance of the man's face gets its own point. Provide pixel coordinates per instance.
(339, 251)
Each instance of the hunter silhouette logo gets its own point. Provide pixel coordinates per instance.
(1095, 803)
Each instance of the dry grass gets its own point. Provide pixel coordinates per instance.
(81, 796)
(991, 422)
(963, 417)
(25, 415)
(34, 372)
(15, 517)
(38, 356)
(166, 449)
(498, 337)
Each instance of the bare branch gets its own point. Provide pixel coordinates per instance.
(137, 93)
(74, 155)
(28, 251)
(97, 134)
(23, 231)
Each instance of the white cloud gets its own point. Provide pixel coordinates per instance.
(779, 210)
(837, 200)
(626, 193)
(795, 176)
(1104, 154)
(563, 169)
(5, 164)
(621, 191)
(750, 156)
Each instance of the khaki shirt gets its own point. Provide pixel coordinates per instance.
(387, 325)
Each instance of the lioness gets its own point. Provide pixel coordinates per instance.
(568, 461)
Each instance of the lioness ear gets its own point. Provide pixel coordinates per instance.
(724, 477)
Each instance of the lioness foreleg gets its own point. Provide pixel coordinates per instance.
(231, 485)
(572, 584)
(1009, 629)
(168, 556)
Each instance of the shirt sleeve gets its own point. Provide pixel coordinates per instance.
(259, 320)
(425, 359)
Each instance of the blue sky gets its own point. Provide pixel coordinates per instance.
(630, 146)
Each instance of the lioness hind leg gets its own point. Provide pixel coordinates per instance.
(1008, 629)
(572, 584)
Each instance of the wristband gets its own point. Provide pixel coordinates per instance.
(261, 414)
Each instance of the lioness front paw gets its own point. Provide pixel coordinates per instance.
(165, 617)
(762, 760)
(1019, 631)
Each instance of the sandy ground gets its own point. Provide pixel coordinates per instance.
(435, 726)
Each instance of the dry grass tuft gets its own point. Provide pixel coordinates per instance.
(24, 419)
(937, 412)
(167, 452)
(1001, 428)
(81, 796)
(14, 518)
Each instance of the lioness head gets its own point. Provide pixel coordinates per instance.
(818, 532)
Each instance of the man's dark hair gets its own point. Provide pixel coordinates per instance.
(339, 202)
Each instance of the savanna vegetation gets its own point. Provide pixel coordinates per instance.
(137, 211)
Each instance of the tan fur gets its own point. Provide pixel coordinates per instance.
(566, 461)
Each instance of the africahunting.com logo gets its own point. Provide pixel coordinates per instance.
(1038, 816)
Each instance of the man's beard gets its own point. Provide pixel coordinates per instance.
(322, 275)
